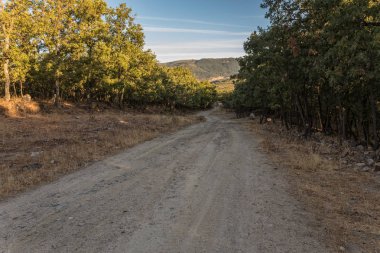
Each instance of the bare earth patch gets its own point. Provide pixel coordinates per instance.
(346, 202)
(39, 148)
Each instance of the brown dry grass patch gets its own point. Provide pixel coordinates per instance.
(345, 202)
(39, 148)
(225, 87)
(17, 107)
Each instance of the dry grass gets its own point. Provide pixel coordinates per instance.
(225, 87)
(18, 108)
(39, 148)
(345, 202)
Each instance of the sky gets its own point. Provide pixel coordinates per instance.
(195, 29)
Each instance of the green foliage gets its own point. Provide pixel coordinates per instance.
(83, 50)
(316, 66)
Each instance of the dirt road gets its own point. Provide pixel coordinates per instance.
(206, 188)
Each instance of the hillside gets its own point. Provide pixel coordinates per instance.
(208, 69)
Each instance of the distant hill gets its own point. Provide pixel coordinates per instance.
(209, 69)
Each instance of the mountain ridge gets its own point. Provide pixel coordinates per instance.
(209, 68)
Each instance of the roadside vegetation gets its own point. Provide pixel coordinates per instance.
(85, 51)
(316, 68)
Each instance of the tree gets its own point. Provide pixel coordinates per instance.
(126, 40)
(57, 29)
(315, 67)
(83, 50)
(14, 18)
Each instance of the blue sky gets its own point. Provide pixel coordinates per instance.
(194, 29)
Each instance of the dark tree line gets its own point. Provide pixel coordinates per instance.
(83, 50)
(317, 67)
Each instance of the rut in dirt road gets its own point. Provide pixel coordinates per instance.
(206, 188)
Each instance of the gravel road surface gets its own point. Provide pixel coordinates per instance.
(206, 188)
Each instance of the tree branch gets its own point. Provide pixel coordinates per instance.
(371, 23)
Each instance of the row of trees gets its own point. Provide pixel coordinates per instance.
(84, 50)
(317, 66)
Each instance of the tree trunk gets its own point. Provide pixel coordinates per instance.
(14, 89)
(121, 101)
(342, 118)
(374, 121)
(6, 45)
(305, 125)
(21, 89)
(57, 93)
(320, 112)
(7, 94)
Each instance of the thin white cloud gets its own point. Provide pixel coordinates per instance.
(191, 21)
(198, 45)
(173, 51)
(166, 52)
(198, 31)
